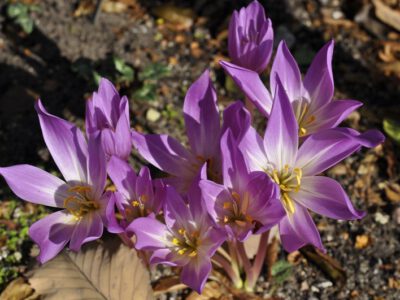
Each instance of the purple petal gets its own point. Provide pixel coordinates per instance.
(319, 79)
(194, 196)
(236, 118)
(110, 220)
(88, 228)
(265, 206)
(252, 147)
(107, 100)
(52, 233)
(332, 114)
(234, 168)
(35, 185)
(299, 230)
(325, 196)
(281, 136)
(66, 144)
(97, 169)
(162, 256)
(202, 117)
(196, 272)
(176, 212)
(123, 141)
(150, 233)
(286, 68)
(123, 176)
(251, 85)
(165, 153)
(322, 150)
(212, 191)
(144, 187)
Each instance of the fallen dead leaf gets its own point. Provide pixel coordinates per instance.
(387, 15)
(178, 18)
(168, 284)
(392, 191)
(18, 289)
(362, 241)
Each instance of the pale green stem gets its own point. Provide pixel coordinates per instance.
(224, 263)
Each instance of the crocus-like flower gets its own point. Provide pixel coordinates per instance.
(81, 196)
(311, 98)
(137, 196)
(187, 239)
(204, 132)
(294, 169)
(250, 37)
(108, 113)
(248, 202)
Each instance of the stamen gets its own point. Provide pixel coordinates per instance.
(78, 204)
(135, 203)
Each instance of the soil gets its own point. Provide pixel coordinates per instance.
(56, 63)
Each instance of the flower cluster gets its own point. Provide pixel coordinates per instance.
(226, 184)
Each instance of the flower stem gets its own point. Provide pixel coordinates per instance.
(224, 263)
(252, 277)
(244, 259)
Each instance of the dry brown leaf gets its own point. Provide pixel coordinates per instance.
(330, 266)
(179, 18)
(212, 290)
(101, 270)
(392, 191)
(168, 284)
(114, 7)
(387, 15)
(86, 7)
(362, 241)
(18, 289)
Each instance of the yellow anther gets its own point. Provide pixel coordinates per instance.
(226, 219)
(302, 131)
(193, 253)
(175, 241)
(227, 205)
(181, 231)
(236, 196)
(135, 203)
(288, 203)
(143, 198)
(182, 251)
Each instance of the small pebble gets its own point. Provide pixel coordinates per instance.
(325, 284)
(381, 218)
(152, 115)
(304, 286)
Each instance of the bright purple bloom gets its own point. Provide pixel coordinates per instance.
(311, 98)
(137, 196)
(204, 132)
(294, 169)
(251, 37)
(187, 239)
(107, 113)
(248, 202)
(81, 195)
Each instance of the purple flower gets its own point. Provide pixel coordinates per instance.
(294, 169)
(250, 38)
(107, 113)
(311, 98)
(81, 196)
(137, 196)
(187, 239)
(248, 202)
(204, 132)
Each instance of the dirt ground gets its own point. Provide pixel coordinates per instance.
(71, 43)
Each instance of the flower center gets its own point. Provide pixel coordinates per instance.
(79, 203)
(289, 180)
(236, 210)
(304, 119)
(186, 243)
(138, 208)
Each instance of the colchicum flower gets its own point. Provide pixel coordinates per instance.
(137, 195)
(81, 195)
(311, 98)
(251, 38)
(294, 169)
(204, 132)
(187, 239)
(247, 202)
(107, 113)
